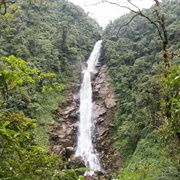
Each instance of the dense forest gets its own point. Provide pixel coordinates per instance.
(43, 44)
(147, 143)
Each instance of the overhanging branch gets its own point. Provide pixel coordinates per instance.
(126, 23)
(137, 12)
(3, 5)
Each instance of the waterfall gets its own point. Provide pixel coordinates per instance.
(86, 126)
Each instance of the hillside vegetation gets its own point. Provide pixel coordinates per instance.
(53, 37)
(148, 144)
(42, 46)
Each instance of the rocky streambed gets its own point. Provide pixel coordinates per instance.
(63, 129)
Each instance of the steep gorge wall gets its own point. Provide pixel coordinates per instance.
(104, 106)
(63, 129)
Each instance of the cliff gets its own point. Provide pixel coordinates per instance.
(63, 131)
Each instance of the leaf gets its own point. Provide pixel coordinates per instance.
(5, 124)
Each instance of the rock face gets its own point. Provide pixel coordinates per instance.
(63, 129)
(104, 106)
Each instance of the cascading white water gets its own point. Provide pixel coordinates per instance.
(85, 147)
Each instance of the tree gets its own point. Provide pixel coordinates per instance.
(11, 5)
(140, 91)
(158, 21)
(20, 157)
(15, 74)
(4, 6)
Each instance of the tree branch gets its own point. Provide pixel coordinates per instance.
(126, 23)
(138, 12)
(129, 1)
(3, 4)
(159, 24)
(93, 3)
(122, 6)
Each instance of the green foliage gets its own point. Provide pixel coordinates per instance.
(134, 58)
(53, 37)
(60, 38)
(170, 130)
(42, 110)
(17, 67)
(7, 8)
(172, 90)
(13, 129)
(16, 74)
(21, 158)
(139, 174)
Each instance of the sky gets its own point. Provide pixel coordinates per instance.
(105, 12)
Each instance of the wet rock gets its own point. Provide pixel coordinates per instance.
(111, 125)
(72, 157)
(99, 121)
(76, 97)
(104, 101)
(62, 135)
(99, 110)
(99, 175)
(102, 131)
(79, 162)
(63, 129)
(110, 102)
(68, 110)
(52, 123)
(65, 142)
(72, 115)
(103, 91)
(70, 130)
(69, 152)
(58, 149)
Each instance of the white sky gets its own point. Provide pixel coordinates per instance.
(105, 12)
